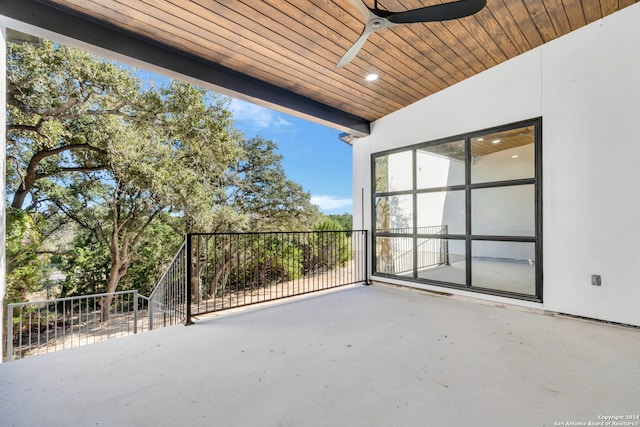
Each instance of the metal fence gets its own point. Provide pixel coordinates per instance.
(235, 269)
(41, 327)
(398, 255)
(167, 302)
(212, 271)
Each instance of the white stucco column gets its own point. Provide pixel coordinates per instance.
(3, 133)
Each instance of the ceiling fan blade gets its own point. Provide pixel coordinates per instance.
(438, 12)
(364, 10)
(353, 50)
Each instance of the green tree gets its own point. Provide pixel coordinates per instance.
(134, 166)
(260, 198)
(168, 163)
(262, 191)
(152, 257)
(345, 220)
(86, 266)
(88, 263)
(25, 267)
(60, 101)
(87, 141)
(327, 249)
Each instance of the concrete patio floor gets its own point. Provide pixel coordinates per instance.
(359, 356)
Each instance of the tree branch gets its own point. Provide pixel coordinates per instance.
(74, 217)
(52, 152)
(54, 111)
(136, 239)
(63, 253)
(32, 128)
(72, 169)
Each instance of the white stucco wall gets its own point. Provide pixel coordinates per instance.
(586, 87)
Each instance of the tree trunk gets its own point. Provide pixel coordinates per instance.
(195, 283)
(220, 278)
(118, 271)
(18, 198)
(31, 174)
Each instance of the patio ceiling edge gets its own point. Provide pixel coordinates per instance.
(179, 64)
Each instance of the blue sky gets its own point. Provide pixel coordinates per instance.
(313, 156)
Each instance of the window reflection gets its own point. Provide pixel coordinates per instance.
(503, 156)
(394, 172)
(394, 214)
(394, 255)
(503, 211)
(440, 165)
(504, 266)
(441, 212)
(442, 260)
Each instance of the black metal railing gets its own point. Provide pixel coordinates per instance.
(228, 270)
(211, 271)
(168, 301)
(401, 254)
(40, 327)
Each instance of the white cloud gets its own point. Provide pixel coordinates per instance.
(331, 203)
(257, 116)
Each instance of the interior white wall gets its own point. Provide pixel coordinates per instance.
(439, 208)
(492, 214)
(400, 171)
(585, 86)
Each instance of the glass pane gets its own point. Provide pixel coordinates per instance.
(503, 155)
(505, 266)
(503, 211)
(394, 214)
(394, 255)
(440, 165)
(441, 212)
(394, 172)
(442, 260)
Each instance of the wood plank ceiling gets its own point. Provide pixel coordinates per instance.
(295, 44)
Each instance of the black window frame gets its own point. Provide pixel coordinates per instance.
(468, 188)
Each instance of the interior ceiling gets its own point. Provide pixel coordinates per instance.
(294, 45)
(504, 140)
(484, 144)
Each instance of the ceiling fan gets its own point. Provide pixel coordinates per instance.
(377, 19)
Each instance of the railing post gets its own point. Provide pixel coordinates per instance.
(187, 281)
(366, 257)
(446, 246)
(150, 313)
(9, 332)
(135, 311)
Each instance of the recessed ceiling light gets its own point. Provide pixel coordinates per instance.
(480, 139)
(515, 156)
(371, 77)
(495, 141)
